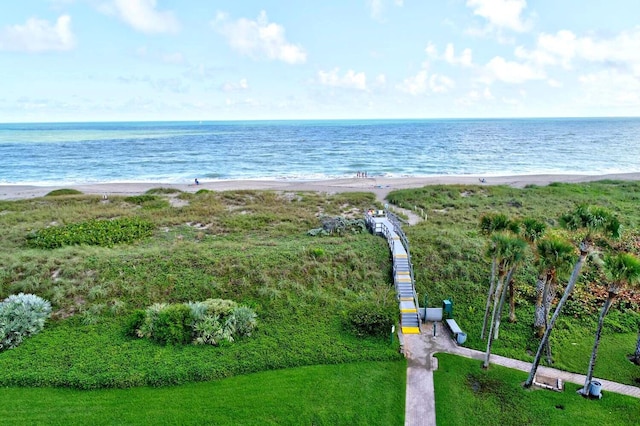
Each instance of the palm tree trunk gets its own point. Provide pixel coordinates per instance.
(501, 305)
(570, 285)
(498, 295)
(540, 313)
(512, 302)
(594, 352)
(549, 294)
(636, 354)
(494, 263)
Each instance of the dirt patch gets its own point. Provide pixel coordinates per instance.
(200, 226)
(178, 202)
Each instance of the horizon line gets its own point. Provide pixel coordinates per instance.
(203, 121)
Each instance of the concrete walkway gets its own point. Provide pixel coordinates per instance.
(419, 350)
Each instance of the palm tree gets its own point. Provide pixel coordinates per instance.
(532, 231)
(554, 256)
(623, 271)
(489, 224)
(509, 252)
(593, 220)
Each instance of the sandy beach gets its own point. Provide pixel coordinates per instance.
(381, 186)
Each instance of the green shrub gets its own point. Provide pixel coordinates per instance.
(64, 191)
(163, 191)
(21, 316)
(316, 252)
(222, 307)
(369, 319)
(210, 322)
(243, 319)
(339, 226)
(134, 322)
(173, 325)
(97, 232)
(141, 199)
(209, 330)
(150, 320)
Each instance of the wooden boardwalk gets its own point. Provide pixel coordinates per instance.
(379, 223)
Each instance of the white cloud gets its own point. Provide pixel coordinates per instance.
(565, 48)
(38, 35)
(350, 80)
(510, 72)
(259, 38)
(440, 83)
(142, 16)
(415, 85)
(554, 83)
(377, 7)
(231, 86)
(501, 13)
(381, 80)
(465, 59)
(474, 96)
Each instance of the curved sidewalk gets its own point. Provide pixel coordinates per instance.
(419, 350)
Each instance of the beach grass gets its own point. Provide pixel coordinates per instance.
(468, 394)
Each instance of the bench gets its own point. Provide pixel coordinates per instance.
(456, 331)
(551, 383)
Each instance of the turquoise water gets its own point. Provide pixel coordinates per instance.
(178, 152)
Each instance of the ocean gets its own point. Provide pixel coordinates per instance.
(179, 152)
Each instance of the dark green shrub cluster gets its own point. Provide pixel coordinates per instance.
(173, 325)
(141, 199)
(163, 190)
(64, 191)
(21, 316)
(339, 225)
(370, 319)
(210, 322)
(98, 232)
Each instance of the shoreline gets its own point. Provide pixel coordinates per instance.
(381, 186)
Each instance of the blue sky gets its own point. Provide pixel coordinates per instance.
(104, 60)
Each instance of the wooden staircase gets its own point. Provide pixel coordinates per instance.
(379, 223)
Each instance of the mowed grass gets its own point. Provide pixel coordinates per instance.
(363, 393)
(468, 395)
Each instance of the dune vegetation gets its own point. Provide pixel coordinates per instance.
(314, 297)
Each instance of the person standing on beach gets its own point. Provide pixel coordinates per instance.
(197, 182)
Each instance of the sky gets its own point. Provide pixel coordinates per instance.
(131, 60)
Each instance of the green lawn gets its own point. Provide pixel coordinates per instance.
(348, 394)
(468, 395)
